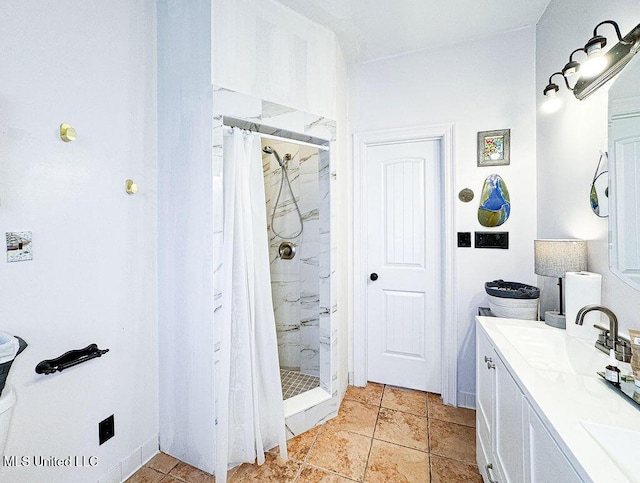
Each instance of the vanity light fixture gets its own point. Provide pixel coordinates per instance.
(599, 66)
(552, 89)
(596, 61)
(550, 92)
(571, 68)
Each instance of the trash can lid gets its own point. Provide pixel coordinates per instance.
(511, 290)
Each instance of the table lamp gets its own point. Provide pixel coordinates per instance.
(553, 258)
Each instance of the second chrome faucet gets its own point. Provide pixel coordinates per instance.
(608, 339)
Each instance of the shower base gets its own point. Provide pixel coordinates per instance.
(294, 383)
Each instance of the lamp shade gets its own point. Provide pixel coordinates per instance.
(553, 258)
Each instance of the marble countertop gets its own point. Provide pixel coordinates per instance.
(558, 376)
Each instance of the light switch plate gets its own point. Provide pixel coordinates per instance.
(19, 246)
(464, 239)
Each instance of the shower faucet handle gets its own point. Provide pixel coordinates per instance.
(287, 250)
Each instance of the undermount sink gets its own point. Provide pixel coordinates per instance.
(552, 350)
(620, 444)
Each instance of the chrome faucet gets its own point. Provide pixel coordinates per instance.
(610, 339)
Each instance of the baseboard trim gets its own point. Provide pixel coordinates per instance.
(132, 463)
(466, 400)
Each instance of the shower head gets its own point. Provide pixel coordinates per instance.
(270, 150)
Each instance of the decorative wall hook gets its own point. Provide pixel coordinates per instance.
(131, 187)
(466, 195)
(67, 133)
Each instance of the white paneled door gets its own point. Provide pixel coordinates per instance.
(404, 233)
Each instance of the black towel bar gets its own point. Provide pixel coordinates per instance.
(69, 359)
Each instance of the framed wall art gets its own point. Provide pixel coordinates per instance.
(494, 147)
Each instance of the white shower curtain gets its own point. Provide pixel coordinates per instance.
(250, 413)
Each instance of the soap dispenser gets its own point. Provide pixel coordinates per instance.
(612, 373)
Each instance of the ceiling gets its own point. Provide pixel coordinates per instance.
(374, 29)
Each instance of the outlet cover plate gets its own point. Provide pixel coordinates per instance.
(106, 429)
(492, 239)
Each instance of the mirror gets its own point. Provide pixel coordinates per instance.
(624, 174)
(599, 192)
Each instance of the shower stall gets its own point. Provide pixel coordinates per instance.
(291, 180)
(194, 378)
(295, 150)
(198, 415)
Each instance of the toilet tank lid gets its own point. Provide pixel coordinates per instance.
(8, 398)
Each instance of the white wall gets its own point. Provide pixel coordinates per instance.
(343, 235)
(93, 275)
(482, 85)
(185, 229)
(568, 143)
(268, 51)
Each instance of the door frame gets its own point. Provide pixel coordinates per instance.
(449, 332)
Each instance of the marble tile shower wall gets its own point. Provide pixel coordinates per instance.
(295, 283)
(234, 104)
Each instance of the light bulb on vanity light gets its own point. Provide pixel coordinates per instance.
(571, 70)
(594, 64)
(552, 102)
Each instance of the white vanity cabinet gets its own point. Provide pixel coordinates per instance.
(499, 418)
(485, 381)
(512, 443)
(544, 460)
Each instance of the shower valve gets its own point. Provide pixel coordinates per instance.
(287, 250)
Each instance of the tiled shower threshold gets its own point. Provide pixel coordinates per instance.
(304, 401)
(301, 392)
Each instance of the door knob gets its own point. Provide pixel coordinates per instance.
(373, 276)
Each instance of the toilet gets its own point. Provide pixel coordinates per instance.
(7, 401)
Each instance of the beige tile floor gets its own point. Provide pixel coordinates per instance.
(382, 434)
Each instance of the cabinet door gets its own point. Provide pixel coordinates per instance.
(545, 461)
(508, 441)
(484, 383)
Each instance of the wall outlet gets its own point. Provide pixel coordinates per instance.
(106, 429)
(492, 239)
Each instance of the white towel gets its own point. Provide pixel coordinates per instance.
(9, 346)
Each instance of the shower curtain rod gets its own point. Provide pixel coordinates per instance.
(294, 141)
(267, 132)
